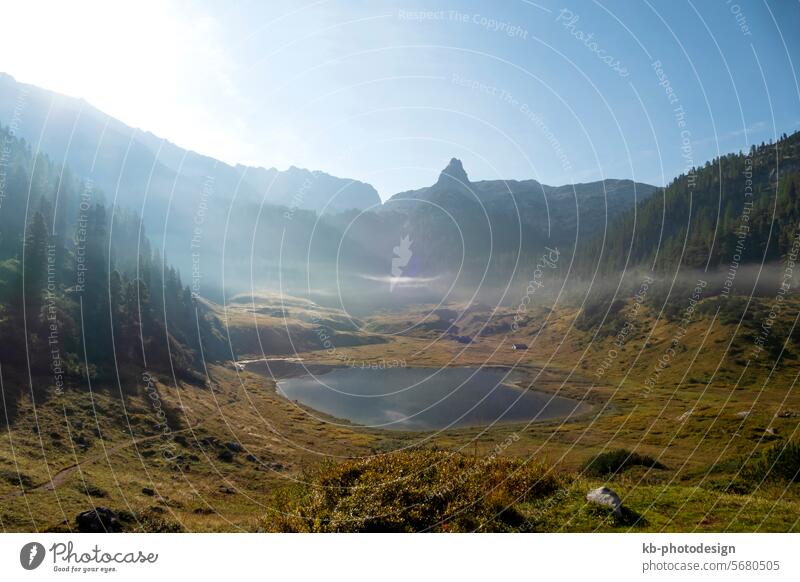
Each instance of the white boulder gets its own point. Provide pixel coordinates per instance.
(607, 498)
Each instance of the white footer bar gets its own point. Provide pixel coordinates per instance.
(388, 557)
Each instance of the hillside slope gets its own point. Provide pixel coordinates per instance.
(739, 208)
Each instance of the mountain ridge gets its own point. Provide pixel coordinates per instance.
(71, 130)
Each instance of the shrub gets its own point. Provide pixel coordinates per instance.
(16, 479)
(412, 491)
(91, 490)
(779, 462)
(601, 309)
(614, 462)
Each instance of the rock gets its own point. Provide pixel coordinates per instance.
(607, 498)
(227, 490)
(786, 414)
(235, 447)
(225, 455)
(99, 520)
(252, 458)
(148, 491)
(743, 414)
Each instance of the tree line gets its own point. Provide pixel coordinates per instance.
(739, 208)
(83, 295)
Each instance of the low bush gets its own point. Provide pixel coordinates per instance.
(15, 478)
(601, 309)
(778, 462)
(615, 462)
(412, 491)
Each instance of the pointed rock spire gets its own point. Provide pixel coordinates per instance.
(453, 175)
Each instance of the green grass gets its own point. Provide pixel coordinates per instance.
(713, 459)
(125, 470)
(444, 492)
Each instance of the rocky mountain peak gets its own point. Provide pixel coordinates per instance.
(453, 175)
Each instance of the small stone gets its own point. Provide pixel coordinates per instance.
(607, 498)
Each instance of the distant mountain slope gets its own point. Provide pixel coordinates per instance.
(504, 223)
(593, 202)
(239, 227)
(119, 157)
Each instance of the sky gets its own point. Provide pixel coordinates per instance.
(388, 91)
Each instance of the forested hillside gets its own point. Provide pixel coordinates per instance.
(739, 208)
(83, 296)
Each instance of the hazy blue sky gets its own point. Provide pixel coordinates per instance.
(388, 92)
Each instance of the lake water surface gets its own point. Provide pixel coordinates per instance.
(424, 398)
